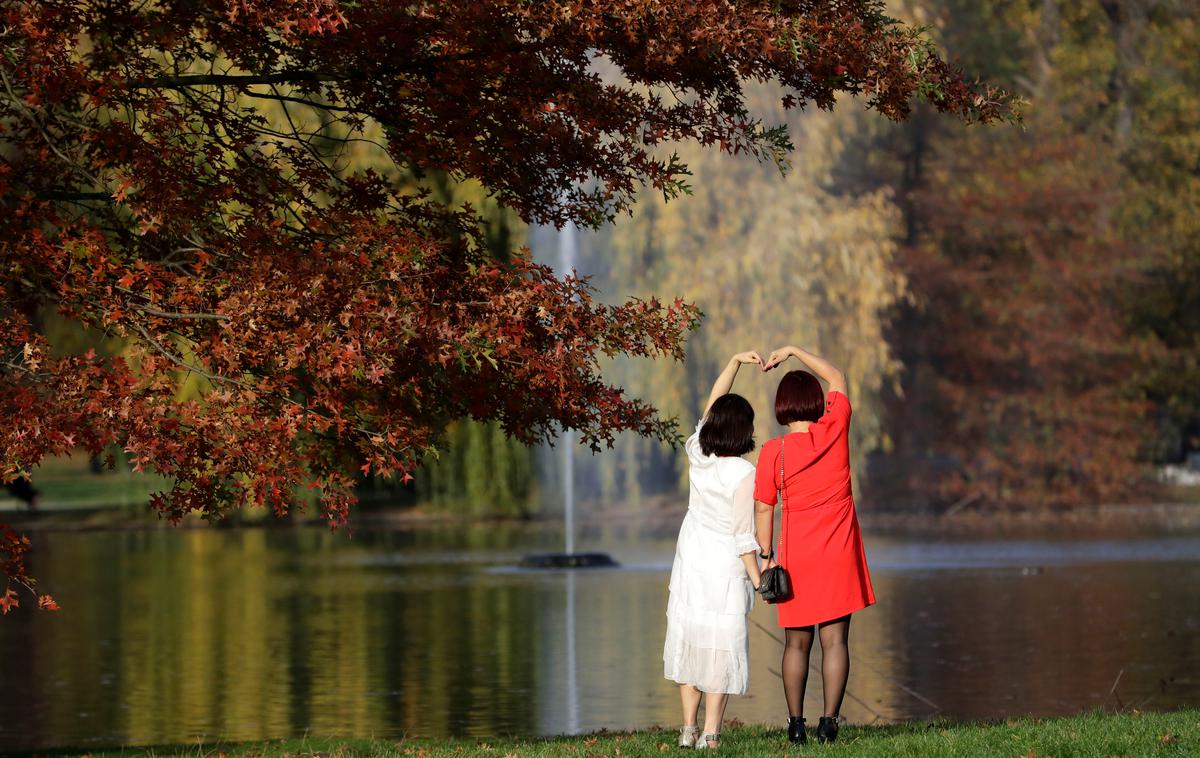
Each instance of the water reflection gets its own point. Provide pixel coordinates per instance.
(168, 636)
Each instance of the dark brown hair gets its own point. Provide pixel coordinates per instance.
(799, 398)
(728, 428)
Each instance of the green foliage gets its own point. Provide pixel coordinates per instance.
(481, 472)
(1161, 153)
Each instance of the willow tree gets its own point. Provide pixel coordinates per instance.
(342, 321)
(770, 262)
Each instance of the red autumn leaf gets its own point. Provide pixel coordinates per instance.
(9, 600)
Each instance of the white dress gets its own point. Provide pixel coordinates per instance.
(710, 593)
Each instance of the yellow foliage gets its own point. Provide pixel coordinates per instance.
(772, 261)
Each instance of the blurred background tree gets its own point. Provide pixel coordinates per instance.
(771, 261)
(1018, 310)
(1049, 346)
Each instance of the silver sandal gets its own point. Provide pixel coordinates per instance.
(702, 743)
(687, 736)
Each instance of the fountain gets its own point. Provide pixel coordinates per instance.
(568, 248)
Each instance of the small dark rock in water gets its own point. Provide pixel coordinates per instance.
(568, 560)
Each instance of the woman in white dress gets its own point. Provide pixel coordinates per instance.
(716, 568)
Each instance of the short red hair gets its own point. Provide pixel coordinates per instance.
(799, 398)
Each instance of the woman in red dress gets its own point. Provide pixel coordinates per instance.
(820, 544)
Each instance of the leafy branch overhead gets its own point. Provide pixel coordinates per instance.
(238, 190)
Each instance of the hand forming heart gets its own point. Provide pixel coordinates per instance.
(749, 356)
(777, 357)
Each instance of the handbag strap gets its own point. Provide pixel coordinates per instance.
(781, 471)
(782, 504)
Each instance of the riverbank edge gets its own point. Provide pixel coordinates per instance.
(1172, 733)
(1119, 521)
(1165, 517)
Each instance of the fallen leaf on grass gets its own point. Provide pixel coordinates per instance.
(591, 741)
(662, 747)
(1028, 755)
(1168, 739)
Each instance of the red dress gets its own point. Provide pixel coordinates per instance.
(820, 543)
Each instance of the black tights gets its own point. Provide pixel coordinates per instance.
(835, 664)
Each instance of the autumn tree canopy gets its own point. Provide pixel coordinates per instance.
(181, 175)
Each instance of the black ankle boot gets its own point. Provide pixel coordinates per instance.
(796, 730)
(827, 729)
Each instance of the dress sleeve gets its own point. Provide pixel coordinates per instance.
(692, 445)
(744, 540)
(837, 413)
(765, 489)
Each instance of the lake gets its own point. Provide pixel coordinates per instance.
(173, 635)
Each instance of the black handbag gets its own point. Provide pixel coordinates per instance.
(775, 584)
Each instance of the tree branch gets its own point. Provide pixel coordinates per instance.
(303, 101)
(65, 195)
(236, 80)
(170, 314)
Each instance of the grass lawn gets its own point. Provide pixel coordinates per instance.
(1096, 734)
(68, 483)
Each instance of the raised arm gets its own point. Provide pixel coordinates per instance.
(725, 380)
(832, 375)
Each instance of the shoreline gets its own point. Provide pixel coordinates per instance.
(1114, 520)
(661, 511)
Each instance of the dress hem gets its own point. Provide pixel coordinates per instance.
(822, 621)
(709, 692)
